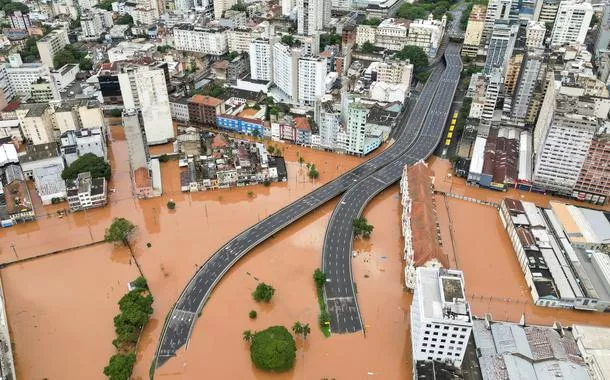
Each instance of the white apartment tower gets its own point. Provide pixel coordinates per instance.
(261, 62)
(312, 15)
(211, 41)
(144, 88)
(441, 322)
(534, 34)
(506, 10)
(312, 77)
(50, 44)
(285, 69)
(21, 75)
(356, 127)
(220, 6)
(564, 147)
(572, 22)
(288, 6)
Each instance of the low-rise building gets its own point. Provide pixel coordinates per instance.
(43, 164)
(36, 122)
(203, 110)
(85, 192)
(75, 144)
(179, 109)
(15, 202)
(427, 34)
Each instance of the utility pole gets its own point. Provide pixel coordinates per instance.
(14, 250)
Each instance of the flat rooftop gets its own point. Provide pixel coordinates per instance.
(439, 288)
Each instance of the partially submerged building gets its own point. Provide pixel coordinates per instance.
(86, 192)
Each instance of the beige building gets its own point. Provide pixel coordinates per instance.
(474, 31)
(395, 72)
(534, 34)
(36, 123)
(44, 91)
(427, 34)
(72, 115)
(50, 44)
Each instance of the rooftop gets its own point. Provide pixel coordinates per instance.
(205, 100)
(39, 152)
(442, 292)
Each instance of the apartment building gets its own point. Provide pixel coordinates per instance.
(572, 22)
(145, 88)
(474, 31)
(329, 125)
(20, 20)
(36, 122)
(261, 62)
(220, 6)
(534, 34)
(593, 183)
(530, 70)
(356, 129)
(50, 44)
(43, 164)
(427, 34)
(21, 75)
(392, 34)
(75, 144)
(85, 192)
(501, 45)
(311, 79)
(202, 110)
(499, 10)
(139, 157)
(565, 144)
(239, 40)
(441, 320)
(91, 26)
(286, 70)
(197, 39)
(312, 16)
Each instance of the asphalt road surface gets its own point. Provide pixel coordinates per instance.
(429, 118)
(179, 324)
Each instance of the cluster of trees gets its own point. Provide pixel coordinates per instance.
(312, 171)
(241, 7)
(125, 19)
(361, 227)
(329, 39)
(232, 55)
(462, 115)
(163, 48)
(10, 7)
(135, 310)
(263, 292)
(105, 5)
(275, 151)
(88, 162)
(372, 21)
(272, 349)
(422, 9)
(319, 279)
(70, 54)
(288, 39)
(368, 48)
(301, 329)
(214, 90)
(30, 50)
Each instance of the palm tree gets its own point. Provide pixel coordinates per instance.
(247, 336)
(297, 328)
(301, 160)
(306, 330)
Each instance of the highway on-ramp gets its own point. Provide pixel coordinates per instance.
(339, 291)
(181, 319)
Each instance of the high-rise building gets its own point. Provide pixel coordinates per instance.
(312, 15)
(261, 61)
(547, 11)
(513, 68)
(499, 10)
(535, 32)
(565, 145)
(20, 20)
(329, 124)
(145, 88)
(593, 184)
(441, 321)
(285, 70)
(501, 44)
(312, 79)
(21, 75)
(530, 69)
(6, 90)
(356, 128)
(197, 39)
(220, 6)
(50, 44)
(288, 6)
(91, 25)
(602, 42)
(495, 84)
(474, 31)
(572, 22)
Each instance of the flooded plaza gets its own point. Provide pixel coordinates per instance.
(60, 308)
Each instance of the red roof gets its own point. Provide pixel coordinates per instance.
(205, 100)
(12, 106)
(142, 177)
(219, 141)
(424, 229)
(301, 123)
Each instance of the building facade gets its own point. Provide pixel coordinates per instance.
(85, 192)
(51, 44)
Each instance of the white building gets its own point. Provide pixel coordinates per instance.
(329, 125)
(85, 192)
(572, 22)
(288, 6)
(22, 75)
(564, 144)
(75, 144)
(534, 34)
(127, 50)
(44, 164)
(441, 322)
(261, 62)
(220, 6)
(144, 88)
(211, 41)
(285, 69)
(91, 26)
(356, 128)
(594, 345)
(427, 34)
(36, 123)
(50, 44)
(506, 10)
(239, 40)
(65, 75)
(312, 75)
(312, 16)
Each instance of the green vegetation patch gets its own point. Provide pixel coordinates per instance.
(273, 349)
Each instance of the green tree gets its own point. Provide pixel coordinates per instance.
(313, 172)
(306, 330)
(241, 7)
(116, 113)
(288, 39)
(30, 50)
(368, 48)
(120, 366)
(171, 205)
(247, 336)
(140, 283)
(164, 158)
(271, 149)
(263, 292)
(11, 7)
(105, 5)
(297, 328)
(273, 349)
(372, 21)
(252, 314)
(125, 19)
(301, 160)
(85, 64)
(319, 278)
(88, 162)
(327, 39)
(120, 231)
(361, 227)
(415, 55)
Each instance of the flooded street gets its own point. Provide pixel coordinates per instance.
(61, 307)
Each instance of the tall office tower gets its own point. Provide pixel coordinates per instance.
(312, 79)
(534, 32)
(220, 6)
(506, 10)
(602, 42)
(441, 322)
(564, 147)
(593, 184)
(528, 78)
(572, 22)
(547, 11)
(50, 44)
(261, 62)
(512, 74)
(145, 88)
(495, 88)
(501, 45)
(312, 16)
(285, 70)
